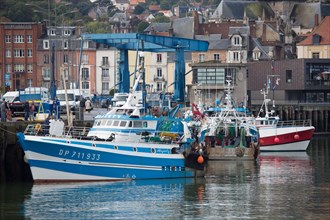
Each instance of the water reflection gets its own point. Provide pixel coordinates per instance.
(293, 185)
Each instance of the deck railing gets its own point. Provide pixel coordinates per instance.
(295, 123)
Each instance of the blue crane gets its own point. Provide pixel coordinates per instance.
(150, 43)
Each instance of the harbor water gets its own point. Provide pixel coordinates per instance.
(292, 185)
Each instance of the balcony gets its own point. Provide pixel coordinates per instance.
(104, 64)
(105, 78)
(317, 84)
(46, 77)
(159, 79)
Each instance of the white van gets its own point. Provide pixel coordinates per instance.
(11, 96)
(74, 97)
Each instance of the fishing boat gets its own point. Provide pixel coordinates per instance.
(124, 144)
(276, 135)
(229, 132)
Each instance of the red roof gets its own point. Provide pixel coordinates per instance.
(322, 30)
(154, 8)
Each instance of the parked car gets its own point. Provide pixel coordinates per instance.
(105, 103)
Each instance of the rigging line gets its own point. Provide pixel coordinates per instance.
(7, 131)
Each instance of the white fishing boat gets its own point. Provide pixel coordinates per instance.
(229, 133)
(276, 135)
(126, 143)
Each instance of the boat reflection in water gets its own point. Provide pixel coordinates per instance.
(294, 185)
(109, 200)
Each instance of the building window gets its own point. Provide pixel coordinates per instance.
(105, 61)
(8, 68)
(216, 56)
(85, 58)
(105, 86)
(236, 41)
(159, 86)
(316, 55)
(46, 59)
(85, 85)
(46, 73)
(65, 44)
(19, 53)
(18, 39)
(159, 73)
(85, 74)
(214, 75)
(256, 55)
(29, 38)
(201, 57)
(159, 58)
(29, 52)
(19, 68)
(235, 56)
(29, 68)
(29, 82)
(288, 74)
(66, 32)
(8, 39)
(46, 44)
(105, 74)
(8, 53)
(316, 39)
(65, 58)
(52, 32)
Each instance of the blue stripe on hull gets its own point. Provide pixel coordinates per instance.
(111, 171)
(67, 152)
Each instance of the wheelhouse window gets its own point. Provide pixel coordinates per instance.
(137, 124)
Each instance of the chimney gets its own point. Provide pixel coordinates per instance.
(196, 22)
(316, 20)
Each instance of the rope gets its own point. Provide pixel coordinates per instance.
(7, 131)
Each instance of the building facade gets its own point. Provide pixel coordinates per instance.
(18, 54)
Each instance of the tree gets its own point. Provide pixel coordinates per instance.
(96, 27)
(160, 18)
(138, 10)
(142, 26)
(165, 5)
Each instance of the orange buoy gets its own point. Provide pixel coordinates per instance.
(296, 137)
(200, 159)
(276, 139)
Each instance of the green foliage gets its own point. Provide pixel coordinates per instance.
(39, 10)
(96, 27)
(160, 18)
(138, 10)
(142, 26)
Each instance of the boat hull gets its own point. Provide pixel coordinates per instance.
(60, 159)
(285, 138)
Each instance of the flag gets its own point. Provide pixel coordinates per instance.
(272, 65)
(278, 81)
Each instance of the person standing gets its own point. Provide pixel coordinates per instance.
(26, 110)
(3, 108)
(88, 105)
(32, 111)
